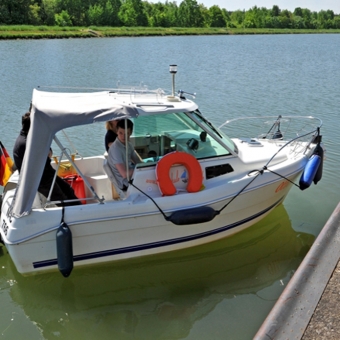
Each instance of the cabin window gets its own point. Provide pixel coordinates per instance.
(158, 134)
(218, 170)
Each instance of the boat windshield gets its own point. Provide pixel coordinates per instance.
(215, 131)
(159, 134)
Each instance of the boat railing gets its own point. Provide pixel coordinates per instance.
(297, 130)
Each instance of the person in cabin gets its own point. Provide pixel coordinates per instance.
(62, 190)
(111, 133)
(117, 155)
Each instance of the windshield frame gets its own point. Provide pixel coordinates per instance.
(213, 131)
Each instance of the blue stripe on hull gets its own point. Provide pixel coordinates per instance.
(111, 252)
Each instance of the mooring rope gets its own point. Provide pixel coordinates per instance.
(161, 211)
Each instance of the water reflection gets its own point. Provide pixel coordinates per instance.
(161, 297)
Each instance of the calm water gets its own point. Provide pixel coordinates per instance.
(223, 290)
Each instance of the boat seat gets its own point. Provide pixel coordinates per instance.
(116, 191)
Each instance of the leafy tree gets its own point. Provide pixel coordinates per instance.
(95, 15)
(168, 14)
(14, 12)
(142, 19)
(171, 13)
(298, 12)
(226, 16)
(5, 18)
(330, 14)
(298, 22)
(276, 11)
(205, 15)
(48, 10)
(307, 17)
(131, 13)
(276, 22)
(286, 19)
(337, 22)
(255, 17)
(34, 16)
(156, 14)
(267, 21)
(189, 14)
(76, 9)
(286, 14)
(63, 19)
(217, 19)
(127, 15)
(250, 19)
(110, 14)
(237, 18)
(325, 19)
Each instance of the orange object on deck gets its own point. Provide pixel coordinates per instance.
(77, 184)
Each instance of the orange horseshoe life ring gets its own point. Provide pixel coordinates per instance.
(165, 184)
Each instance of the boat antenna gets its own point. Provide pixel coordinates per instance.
(173, 71)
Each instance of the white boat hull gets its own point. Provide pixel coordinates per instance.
(101, 233)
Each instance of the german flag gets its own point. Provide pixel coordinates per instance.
(6, 165)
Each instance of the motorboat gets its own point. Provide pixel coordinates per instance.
(197, 182)
(168, 290)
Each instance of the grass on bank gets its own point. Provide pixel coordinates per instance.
(51, 32)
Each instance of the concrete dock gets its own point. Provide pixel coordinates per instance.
(309, 307)
(325, 322)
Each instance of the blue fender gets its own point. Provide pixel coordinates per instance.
(310, 171)
(319, 151)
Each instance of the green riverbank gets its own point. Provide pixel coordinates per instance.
(56, 32)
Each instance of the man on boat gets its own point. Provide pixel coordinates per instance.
(62, 190)
(117, 154)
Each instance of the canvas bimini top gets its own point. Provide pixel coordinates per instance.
(54, 111)
(50, 113)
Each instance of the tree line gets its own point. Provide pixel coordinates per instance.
(133, 13)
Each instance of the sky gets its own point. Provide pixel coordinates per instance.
(313, 5)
